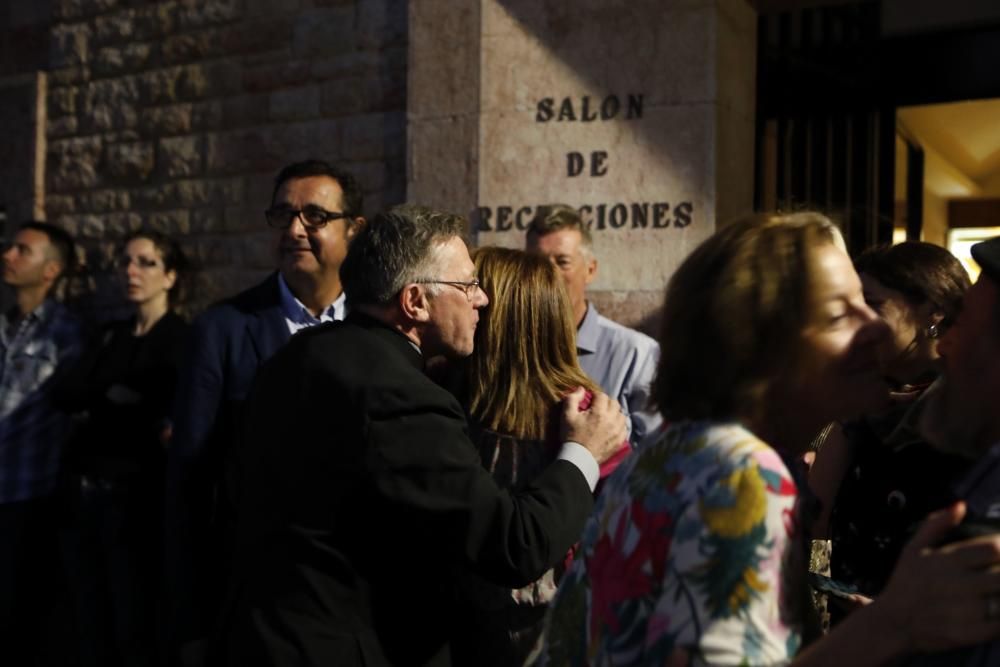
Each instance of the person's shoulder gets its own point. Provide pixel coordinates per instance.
(720, 465)
(725, 444)
(744, 448)
(619, 334)
(113, 329)
(263, 295)
(368, 359)
(172, 327)
(175, 321)
(337, 342)
(64, 323)
(353, 343)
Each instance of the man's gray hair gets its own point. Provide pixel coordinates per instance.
(553, 218)
(396, 248)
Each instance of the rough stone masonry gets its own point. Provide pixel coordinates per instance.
(177, 114)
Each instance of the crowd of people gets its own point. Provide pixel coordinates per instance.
(394, 452)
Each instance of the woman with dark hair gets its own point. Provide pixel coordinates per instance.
(875, 476)
(523, 364)
(695, 552)
(122, 390)
(917, 288)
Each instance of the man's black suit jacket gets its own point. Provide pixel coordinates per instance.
(360, 497)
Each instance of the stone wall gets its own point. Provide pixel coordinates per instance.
(22, 145)
(177, 114)
(639, 113)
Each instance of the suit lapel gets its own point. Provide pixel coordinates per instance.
(266, 326)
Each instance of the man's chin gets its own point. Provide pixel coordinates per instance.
(456, 355)
(297, 264)
(941, 424)
(430, 350)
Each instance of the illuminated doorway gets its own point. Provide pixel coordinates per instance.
(841, 89)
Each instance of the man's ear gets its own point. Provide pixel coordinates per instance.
(51, 270)
(415, 303)
(352, 228)
(591, 262)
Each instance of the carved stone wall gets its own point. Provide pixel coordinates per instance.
(639, 113)
(177, 114)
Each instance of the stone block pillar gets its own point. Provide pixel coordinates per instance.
(639, 113)
(22, 149)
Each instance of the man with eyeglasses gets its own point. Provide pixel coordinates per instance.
(315, 211)
(361, 497)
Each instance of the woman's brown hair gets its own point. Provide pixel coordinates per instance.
(921, 272)
(525, 346)
(733, 316)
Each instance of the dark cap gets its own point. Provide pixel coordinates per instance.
(987, 255)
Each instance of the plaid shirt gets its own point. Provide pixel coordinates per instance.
(34, 351)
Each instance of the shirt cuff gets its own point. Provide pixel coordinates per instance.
(581, 457)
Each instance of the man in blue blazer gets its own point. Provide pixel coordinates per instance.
(315, 210)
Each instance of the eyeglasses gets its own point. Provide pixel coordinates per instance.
(313, 217)
(469, 287)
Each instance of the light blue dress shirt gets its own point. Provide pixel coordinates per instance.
(298, 317)
(623, 362)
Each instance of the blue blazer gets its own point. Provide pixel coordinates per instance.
(228, 343)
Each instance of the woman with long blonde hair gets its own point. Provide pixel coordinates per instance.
(523, 365)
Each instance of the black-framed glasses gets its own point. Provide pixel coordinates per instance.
(469, 286)
(313, 217)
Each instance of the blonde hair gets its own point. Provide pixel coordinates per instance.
(525, 346)
(734, 313)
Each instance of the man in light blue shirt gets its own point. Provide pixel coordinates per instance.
(297, 314)
(621, 360)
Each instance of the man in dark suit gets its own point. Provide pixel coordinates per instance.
(315, 210)
(360, 495)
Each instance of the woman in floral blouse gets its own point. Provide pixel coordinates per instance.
(695, 553)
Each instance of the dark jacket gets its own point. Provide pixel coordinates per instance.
(361, 497)
(228, 344)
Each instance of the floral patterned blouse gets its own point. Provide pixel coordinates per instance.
(693, 556)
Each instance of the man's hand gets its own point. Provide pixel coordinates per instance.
(600, 428)
(939, 596)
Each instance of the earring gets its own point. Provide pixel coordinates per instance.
(933, 331)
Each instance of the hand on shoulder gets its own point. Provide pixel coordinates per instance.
(600, 428)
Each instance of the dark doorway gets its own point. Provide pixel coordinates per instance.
(830, 79)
